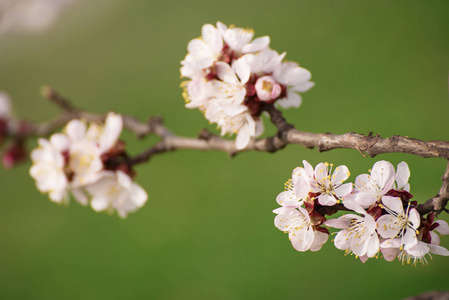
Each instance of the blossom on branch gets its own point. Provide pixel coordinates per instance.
(232, 77)
(383, 219)
(88, 161)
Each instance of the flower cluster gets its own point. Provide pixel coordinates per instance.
(384, 219)
(233, 76)
(89, 162)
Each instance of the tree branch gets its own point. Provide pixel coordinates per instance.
(370, 144)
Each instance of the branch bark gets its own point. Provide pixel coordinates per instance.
(370, 144)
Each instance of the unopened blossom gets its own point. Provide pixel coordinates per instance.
(115, 191)
(301, 232)
(330, 187)
(267, 89)
(398, 222)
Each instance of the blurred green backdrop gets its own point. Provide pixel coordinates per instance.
(207, 230)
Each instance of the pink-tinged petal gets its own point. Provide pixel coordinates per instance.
(402, 174)
(301, 187)
(434, 238)
(418, 250)
(303, 86)
(388, 186)
(391, 243)
(225, 72)
(365, 199)
(373, 245)
(242, 69)
(340, 174)
(285, 211)
(363, 182)
(260, 128)
(340, 223)
(369, 223)
(212, 37)
(99, 202)
(342, 241)
(304, 214)
(243, 137)
(359, 244)
(293, 99)
(435, 249)
(354, 206)
(221, 27)
(138, 195)
(80, 196)
(288, 199)
(443, 227)
(321, 172)
(302, 239)
(386, 227)
(394, 204)
(112, 129)
(389, 253)
(308, 167)
(257, 44)
(297, 172)
(319, 240)
(409, 237)
(123, 179)
(327, 200)
(382, 173)
(414, 218)
(363, 258)
(406, 187)
(60, 142)
(76, 130)
(344, 190)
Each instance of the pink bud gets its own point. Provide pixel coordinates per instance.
(267, 89)
(15, 154)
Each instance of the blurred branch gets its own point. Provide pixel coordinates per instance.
(370, 144)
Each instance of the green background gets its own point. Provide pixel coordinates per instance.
(207, 229)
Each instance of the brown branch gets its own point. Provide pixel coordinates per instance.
(370, 144)
(439, 202)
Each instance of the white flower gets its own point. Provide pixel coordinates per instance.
(371, 188)
(226, 108)
(202, 52)
(115, 191)
(48, 167)
(300, 230)
(398, 223)
(87, 146)
(296, 79)
(359, 233)
(330, 187)
(402, 176)
(238, 39)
